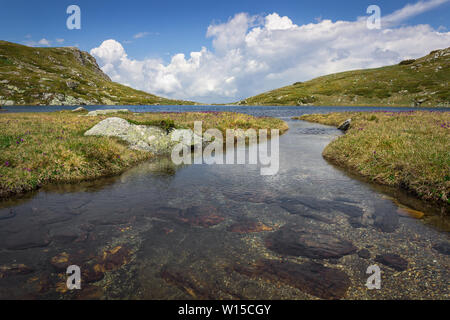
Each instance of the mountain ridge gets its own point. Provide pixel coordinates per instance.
(63, 76)
(415, 82)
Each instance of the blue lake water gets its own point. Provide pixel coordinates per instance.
(265, 111)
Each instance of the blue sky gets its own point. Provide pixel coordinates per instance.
(171, 27)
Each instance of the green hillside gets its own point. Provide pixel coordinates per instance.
(422, 82)
(62, 76)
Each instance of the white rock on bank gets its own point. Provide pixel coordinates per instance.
(79, 109)
(139, 137)
(107, 111)
(6, 103)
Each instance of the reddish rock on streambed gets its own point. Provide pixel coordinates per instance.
(193, 216)
(93, 268)
(248, 226)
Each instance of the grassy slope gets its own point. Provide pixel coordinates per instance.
(407, 149)
(31, 76)
(398, 85)
(40, 148)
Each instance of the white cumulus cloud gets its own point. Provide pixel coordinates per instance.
(252, 54)
(44, 42)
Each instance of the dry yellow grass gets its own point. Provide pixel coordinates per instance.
(410, 150)
(40, 148)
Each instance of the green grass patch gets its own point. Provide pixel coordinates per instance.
(410, 150)
(166, 124)
(41, 148)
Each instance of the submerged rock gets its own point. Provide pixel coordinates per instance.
(93, 267)
(295, 209)
(14, 269)
(386, 217)
(188, 284)
(61, 261)
(356, 223)
(24, 240)
(306, 242)
(393, 260)
(364, 253)
(312, 278)
(194, 216)
(253, 196)
(113, 259)
(322, 210)
(201, 216)
(248, 226)
(7, 214)
(443, 247)
(67, 235)
(322, 205)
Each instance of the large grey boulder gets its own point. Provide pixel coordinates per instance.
(145, 138)
(139, 137)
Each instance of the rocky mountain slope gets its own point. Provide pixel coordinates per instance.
(421, 82)
(62, 76)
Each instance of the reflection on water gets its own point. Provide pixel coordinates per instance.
(224, 232)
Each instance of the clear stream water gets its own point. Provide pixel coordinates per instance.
(224, 231)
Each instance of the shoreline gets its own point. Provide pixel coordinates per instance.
(42, 148)
(236, 105)
(392, 175)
